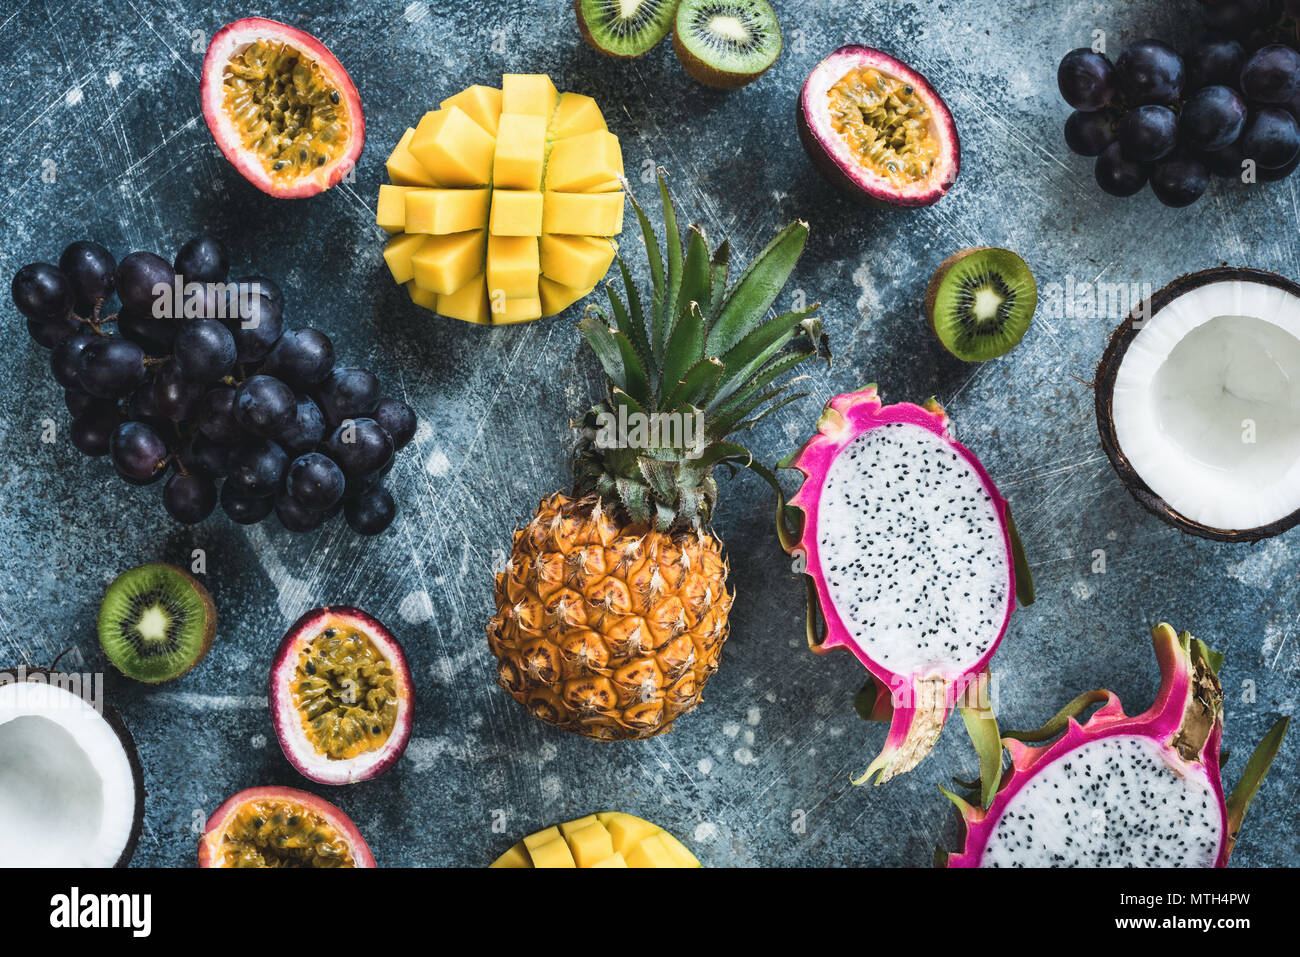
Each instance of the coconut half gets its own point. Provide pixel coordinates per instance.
(1198, 404)
(71, 787)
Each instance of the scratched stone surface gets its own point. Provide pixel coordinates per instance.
(101, 137)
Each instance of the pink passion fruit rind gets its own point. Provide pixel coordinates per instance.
(312, 157)
(922, 110)
(226, 820)
(313, 696)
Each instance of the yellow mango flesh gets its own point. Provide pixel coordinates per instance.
(525, 171)
(442, 211)
(516, 213)
(445, 263)
(482, 104)
(609, 839)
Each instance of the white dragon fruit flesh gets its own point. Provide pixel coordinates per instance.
(908, 548)
(1117, 791)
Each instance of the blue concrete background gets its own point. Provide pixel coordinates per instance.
(101, 137)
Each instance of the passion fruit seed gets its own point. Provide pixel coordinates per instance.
(885, 123)
(286, 111)
(280, 834)
(346, 694)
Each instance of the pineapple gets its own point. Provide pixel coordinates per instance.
(612, 609)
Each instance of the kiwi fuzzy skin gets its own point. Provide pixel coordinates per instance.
(932, 290)
(209, 614)
(711, 76)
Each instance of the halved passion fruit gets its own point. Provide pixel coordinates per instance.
(281, 107)
(341, 696)
(877, 129)
(281, 827)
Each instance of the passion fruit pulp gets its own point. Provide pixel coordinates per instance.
(341, 696)
(878, 130)
(281, 107)
(281, 827)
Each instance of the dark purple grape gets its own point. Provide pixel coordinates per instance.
(189, 498)
(1225, 162)
(360, 446)
(140, 407)
(256, 328)
(174, 395)
(1087, 134)
(136, 278)
(89, 268)
(65, 359)
(257, 467)
(110, 367)
(264, 406)
(1271, 75)
(42, 292)
(265, 287)
(1281, 173)
(201, 454)
(50, 332)
(314, 481)
(202, 259)
(306, 431)
(1213, 118)
(245, 509)
(1272, 138)
(397, 419)
(348, 393)
(359, 485)
(1086, 79)
(1180, 179)
(205, 350)
(138, 452)
(93, 429)
(1117, 174)
(155, 335)
(302, 358)
(78, 401)
(371, 513)
(1150, 71)
(297, 517)
(1148, 133)
(216, 416)
(1213, 61)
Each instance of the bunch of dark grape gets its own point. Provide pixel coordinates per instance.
(210, 391)
(1229, 105)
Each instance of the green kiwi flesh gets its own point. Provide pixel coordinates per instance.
(624, 28)
(980, 302)
(726, 43)
(156, 622)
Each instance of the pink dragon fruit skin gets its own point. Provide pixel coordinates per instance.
(920, 701)
(1181, 733)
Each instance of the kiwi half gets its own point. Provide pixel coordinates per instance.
(980, 301)
(726, 43)
(156, 622)
(624, 28)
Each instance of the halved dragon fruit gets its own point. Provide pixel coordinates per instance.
(341, 696)
(911, 558)
(1118, 791)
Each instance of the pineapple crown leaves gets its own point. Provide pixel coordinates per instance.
(705, 352)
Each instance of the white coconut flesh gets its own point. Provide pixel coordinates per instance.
(1206, 404)
(913, 552)
(67, 792)
(1118, 801)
